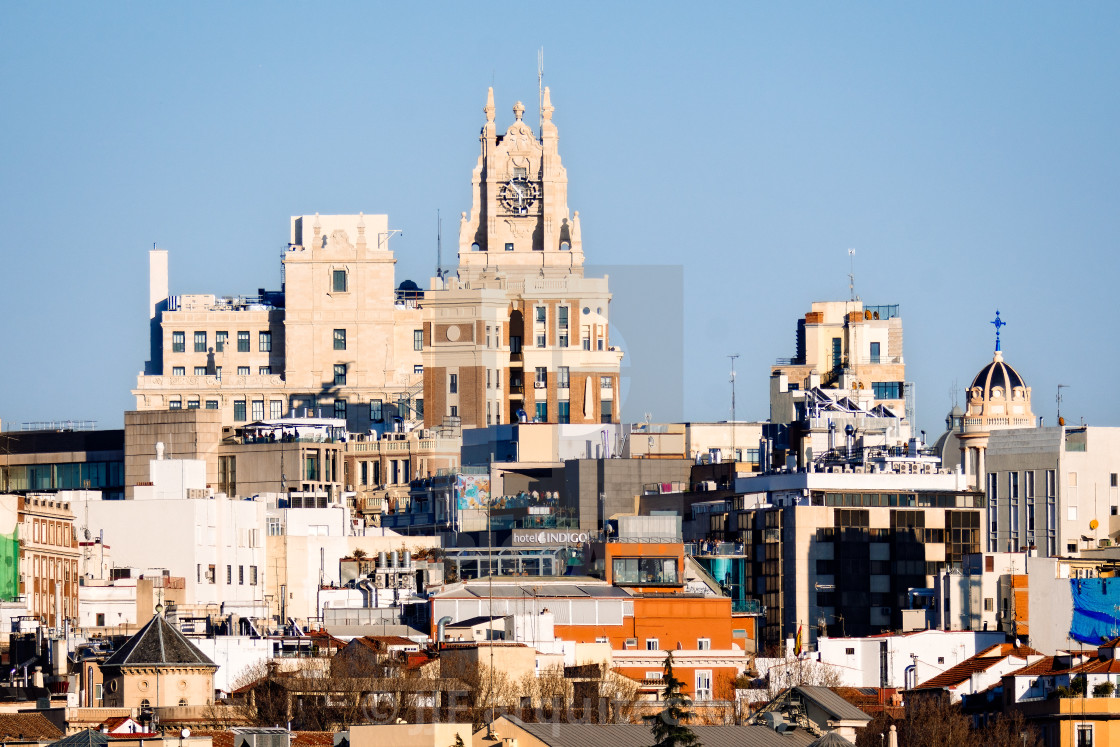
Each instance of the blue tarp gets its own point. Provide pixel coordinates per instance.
(1096, 609)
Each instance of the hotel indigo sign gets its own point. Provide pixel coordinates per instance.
(548, 537)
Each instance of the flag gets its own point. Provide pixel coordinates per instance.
(797, 642)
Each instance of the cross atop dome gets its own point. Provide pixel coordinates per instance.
(998, 323)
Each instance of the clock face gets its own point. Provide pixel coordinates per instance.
(518, 195)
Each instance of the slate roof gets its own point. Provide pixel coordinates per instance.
(225, 738)
(85, 738)
(638, 735)
(28, 726)
(831, 739)
(158, 643)
(833, 703)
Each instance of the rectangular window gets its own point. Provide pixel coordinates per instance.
(200, 370)
(178, 342)
(653, 644)
(418, 368)
(252, 575)
(704, 644)
(229, 575)
(375, 410)
(239, 410)
(340, 374)
(258, 409)
(874, 352)
(1012, 485)
(600, 343)
(564, 412)
(338, 281)
(454, 411)
(243, 341)
(417, 339)
(210, 575)
(703, 690)
(488, 378)
(193, 403)
(1084, 735)
(340, 339)
(1028, 483)
(606, 382)
(264, 370)
(586, 343)
(645, 571)
(211, 404)
(540, 314)
(265, 342)
(453, 383)
(218, 373)
(200, 342)
(562, 341)
(562, 377)
(509, 246)
(1050, 483)
(242, 370)
(340, 408)
(275, 409)
(887, 389)
(542, 377)
(542, 412)
(241, 575)
(220, 341)
(541, 341)
(175, 404)
(178, 371)
(515, 344)
(606, 414)
(837, 358)
(562, 317)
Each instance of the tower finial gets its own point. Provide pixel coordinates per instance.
(546, 106)
(998, 323)
(489, 108)
(518, 110)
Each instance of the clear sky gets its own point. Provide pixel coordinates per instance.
(969, 152)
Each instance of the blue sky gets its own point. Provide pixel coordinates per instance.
(968, 152)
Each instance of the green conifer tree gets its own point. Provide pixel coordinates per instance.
(669, 725)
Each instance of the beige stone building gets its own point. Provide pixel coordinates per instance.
(337, 340)
(519, 331)
(48, 563)
(158, 668)
(852, 348)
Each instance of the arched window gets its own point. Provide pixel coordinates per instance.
(182, 702)
(145, 703)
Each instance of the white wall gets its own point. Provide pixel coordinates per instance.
(183, 535)
(233, 655)
(936, 650)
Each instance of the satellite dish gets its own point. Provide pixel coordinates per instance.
(1094, 524)
(88, 534)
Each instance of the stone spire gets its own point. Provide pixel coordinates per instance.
(546, 106)
(489, 108)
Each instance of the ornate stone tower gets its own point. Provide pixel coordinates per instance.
(519, 333)
(519, 220)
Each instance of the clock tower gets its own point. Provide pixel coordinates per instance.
(518, 333)
(519, 220)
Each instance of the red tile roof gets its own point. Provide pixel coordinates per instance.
(981, 662)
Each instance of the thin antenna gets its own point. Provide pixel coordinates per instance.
(1059, 398)
(734, 459)
(540, 79)
(439, 245)
(852, 274)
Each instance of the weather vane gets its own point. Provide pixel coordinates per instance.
(998, 323)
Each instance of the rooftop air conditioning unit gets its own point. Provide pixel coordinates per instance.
(538, 385)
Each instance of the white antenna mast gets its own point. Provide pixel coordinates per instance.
(540, 79)
(852, 274)
(439, 245)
